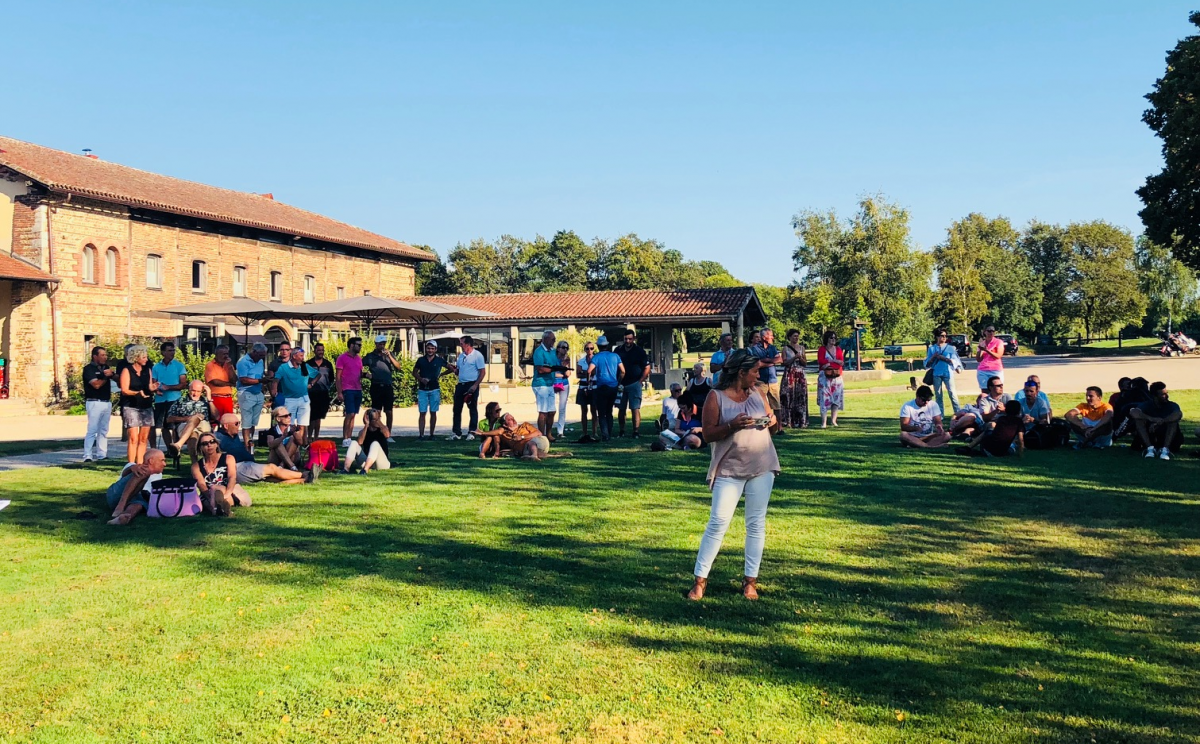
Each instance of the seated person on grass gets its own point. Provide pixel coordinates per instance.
(1091, 421)
(370, 448)
(972, 419)
(1035, 408)
(129, 496)
(1156, 424)
(1002, 436)
(189, 417)
(491, 422)
(524, 440)
(249, 471)
(215, 473)
(670, 409)
(688, 427)
(921, 422)
(282, 446)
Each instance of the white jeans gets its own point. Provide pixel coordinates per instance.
(99, 413)
(563, 396)
(726, 493)
(375, 455)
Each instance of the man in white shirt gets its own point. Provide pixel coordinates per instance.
(470, 368)
(921, 422)
(670, 408)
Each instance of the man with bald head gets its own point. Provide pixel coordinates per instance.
(249, 471)
(190, 416)
(130, 495)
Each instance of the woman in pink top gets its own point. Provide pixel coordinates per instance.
(990, 356)
(737, 424)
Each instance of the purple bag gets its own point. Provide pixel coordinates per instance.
(174, 497)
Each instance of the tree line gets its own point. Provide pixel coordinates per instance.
(1044, 280)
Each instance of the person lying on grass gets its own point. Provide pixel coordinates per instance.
(523, 440)
(921, 422)
(1002, 436)
(129, 496)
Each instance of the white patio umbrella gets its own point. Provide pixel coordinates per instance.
(369, 310)
(244, 309)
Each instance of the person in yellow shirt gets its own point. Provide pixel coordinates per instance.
(1092, 421)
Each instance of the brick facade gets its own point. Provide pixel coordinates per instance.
(53, 232)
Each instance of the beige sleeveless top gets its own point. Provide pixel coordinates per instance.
(745, 453)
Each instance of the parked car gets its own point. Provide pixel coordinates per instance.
(1011, 347)
(961, 344)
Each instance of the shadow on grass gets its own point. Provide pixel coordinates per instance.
(961, 584)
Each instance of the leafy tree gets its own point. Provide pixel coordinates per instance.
(1104, 288)
(432, 278)
(962, 296)
(484, 268)
(1048, 254)
(557, 265)
(1170, 287)
(1172, 197)
(869, 262)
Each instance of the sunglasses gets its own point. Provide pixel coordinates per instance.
(284, 416)
(207, 442)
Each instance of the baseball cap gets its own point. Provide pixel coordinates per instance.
(381, 338)
(431, 343)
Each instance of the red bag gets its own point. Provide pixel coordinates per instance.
(323, 452)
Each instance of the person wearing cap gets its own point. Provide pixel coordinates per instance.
(670, 408)
(380, 364)
(294, 380)
(428, 370)
(607, 371)
(470, 367)
(544, 361)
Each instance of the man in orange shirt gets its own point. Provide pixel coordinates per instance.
(1092, 421)
(219, 376)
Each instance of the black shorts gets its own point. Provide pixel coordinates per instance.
(318, 404)
(383, 398)
(583, 397)
(160, 413)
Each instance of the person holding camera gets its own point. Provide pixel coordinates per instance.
(737, 423)
(370, 448)
(282, 446)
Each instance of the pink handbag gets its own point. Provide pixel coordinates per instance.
(174, 497)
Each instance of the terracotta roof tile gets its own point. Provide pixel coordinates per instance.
(12, 267)
(611, 305)
(64, 172)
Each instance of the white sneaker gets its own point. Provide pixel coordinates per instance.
(1151, 453)
(345, 442)
(1164, 454)
(470, 437)
(453, 438)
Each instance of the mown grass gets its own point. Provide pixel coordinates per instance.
(35, 446)
(908, 597)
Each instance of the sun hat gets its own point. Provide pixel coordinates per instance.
(602, 341)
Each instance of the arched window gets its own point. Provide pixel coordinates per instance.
(110, 267)
(199, 277)
(87, 265)
(154, 271)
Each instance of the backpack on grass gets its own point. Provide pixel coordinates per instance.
(323, 452)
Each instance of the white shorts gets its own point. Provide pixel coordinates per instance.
(547, 399)
(299, 408)
(982, 376)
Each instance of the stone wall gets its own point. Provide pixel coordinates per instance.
(128, 306)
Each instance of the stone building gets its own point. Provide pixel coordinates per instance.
(91, 248)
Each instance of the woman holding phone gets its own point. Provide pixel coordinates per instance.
(737, 423)
(990, 358)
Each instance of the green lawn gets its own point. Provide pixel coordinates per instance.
(907, 597)
(34, 446)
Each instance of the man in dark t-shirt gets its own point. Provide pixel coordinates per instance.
(321, 392)
(97, 401)
(380, 364)
(1157, 424)
(637, 369)
(428, 369)
(1002, 436)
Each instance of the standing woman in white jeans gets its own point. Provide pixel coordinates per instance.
(737, 424)
(562, 384)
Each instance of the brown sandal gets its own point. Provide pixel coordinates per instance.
(749, 587)
(697, 591)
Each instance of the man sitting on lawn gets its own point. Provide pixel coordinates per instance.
(921, 422)
(972, 419)
(1002, 436)
(129, 496)
(1157, 424)
(1092, 421)
(249, 471)
(1035, 409)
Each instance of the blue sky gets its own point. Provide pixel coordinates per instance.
(704, 125)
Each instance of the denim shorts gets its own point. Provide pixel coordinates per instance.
(351, 402)
(251, 406)
(429, 401)
(136, 418)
